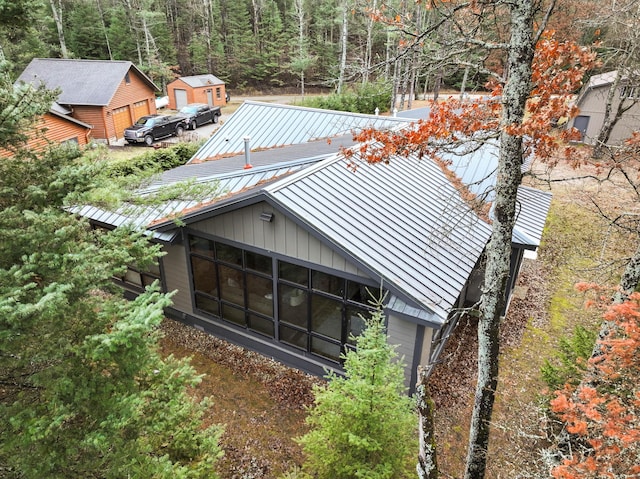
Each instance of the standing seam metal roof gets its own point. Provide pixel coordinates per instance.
(423, 240)
(271, 125)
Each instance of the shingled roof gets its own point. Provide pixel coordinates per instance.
(81, 82)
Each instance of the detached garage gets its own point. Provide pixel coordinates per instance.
(207, 89)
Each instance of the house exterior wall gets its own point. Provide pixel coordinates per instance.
(197, 94)
(592, 106)
(281, 236)
(282, 239)
(126, 96)
(58, 130)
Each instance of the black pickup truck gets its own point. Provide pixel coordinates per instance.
(196, 114)
(154, 127)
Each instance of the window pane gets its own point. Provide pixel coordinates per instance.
(355, 323)
(292, 305)
(326, 316)
(358, 292)
(328, 283)
(326, 349)
(293, 337)
(234, 315)
(260, 294)
(204, 276)
(231, 285)
(133, 277)
(261, 325)
(207, 304)
(259, 262)
(294, 273)
(201, 246)
(147, 280)
(229, 254)
(154, 269)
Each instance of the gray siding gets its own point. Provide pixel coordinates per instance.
(402, 334)
(592, 105)
(176, 277)
(281, 236)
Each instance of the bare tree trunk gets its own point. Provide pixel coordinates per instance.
(464, 82)
(57, 17)
(368, 47)
(427, 467)
(515, 94)
(609, 119)
(343, 46)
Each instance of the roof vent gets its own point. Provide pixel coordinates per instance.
(247, 153)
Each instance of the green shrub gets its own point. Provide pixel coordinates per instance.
(571, 359)
(153, 161)
(363, 99)
(363, 425)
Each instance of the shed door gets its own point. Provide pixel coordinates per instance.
(121, 120)
(140, 109)
(581, 123)
(210, 97)
(181, 98)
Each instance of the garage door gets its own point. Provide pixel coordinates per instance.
(140, 108)
(121, 120)
(181, 98)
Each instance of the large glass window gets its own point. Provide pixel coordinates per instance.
(233, 284)
(317, 312)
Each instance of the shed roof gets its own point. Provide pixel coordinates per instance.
(270, 125)
(197, 81)
(81, 82)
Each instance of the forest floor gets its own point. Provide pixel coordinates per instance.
(262, 403)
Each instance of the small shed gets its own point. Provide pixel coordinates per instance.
(207, 89)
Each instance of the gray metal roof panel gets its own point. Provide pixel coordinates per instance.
(196, 81)
(82, 82)
(423, 239)
(271, 125)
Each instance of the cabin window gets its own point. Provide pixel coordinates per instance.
(311, 310)
(630, 92)
(218, 93)
(127, 78)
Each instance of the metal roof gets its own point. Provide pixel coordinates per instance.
(196, 81)
(270, 125)
(404, 222)
(81, 82)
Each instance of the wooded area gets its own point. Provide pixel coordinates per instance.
(265, 44)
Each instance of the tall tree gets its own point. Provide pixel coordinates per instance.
(558, 70)
(362, 424)
(85, 392)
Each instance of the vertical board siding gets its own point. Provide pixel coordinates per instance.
(195, 94)
(176, 276)
(282, 236)
(402, 334)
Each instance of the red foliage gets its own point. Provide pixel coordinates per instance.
(558, 69)
(604, 411)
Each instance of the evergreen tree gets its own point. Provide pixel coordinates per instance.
(363, 424)
(85, 392)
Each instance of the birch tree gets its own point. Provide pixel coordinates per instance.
(57, 11)
(558, 69)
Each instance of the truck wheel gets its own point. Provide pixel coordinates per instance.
(179, 130)
(148, 139)
(215, 118)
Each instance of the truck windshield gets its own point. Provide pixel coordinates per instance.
(189, 110)
(145, 121)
